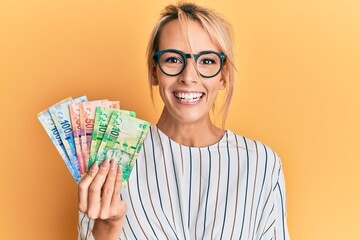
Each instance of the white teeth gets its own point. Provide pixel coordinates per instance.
(188, 97)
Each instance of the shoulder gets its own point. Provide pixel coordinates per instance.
(256, 153)
(252, 146)
(153, 136)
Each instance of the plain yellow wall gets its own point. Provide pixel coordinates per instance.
(297, 91)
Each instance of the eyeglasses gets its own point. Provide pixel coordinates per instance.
(172, 62)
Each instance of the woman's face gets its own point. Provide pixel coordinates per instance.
(188, 97)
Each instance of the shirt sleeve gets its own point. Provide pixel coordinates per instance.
(281, 230)
(85, 227)
(276, 225)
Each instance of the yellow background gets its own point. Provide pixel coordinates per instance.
(297, 91)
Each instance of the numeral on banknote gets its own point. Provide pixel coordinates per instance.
(66, 126)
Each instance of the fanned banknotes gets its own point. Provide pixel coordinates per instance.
(87, 120)
(61, 117)
(102, 117)
(74, 109)
(50, 128)
(122, 141)
(87, 132)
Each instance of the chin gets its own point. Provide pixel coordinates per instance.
(190, 118)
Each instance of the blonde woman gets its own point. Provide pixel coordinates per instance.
(192, 180)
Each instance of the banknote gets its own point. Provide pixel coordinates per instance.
(122, 140)
(50, 128)
(130, 145)
(115, 104)
(102, 117)
(87, 120)
(74, 109)
(61, 117)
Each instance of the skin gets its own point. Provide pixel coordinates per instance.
(186, 123)
(99, 193)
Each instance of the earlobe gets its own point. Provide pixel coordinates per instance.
(223, 77)
(222, 84)
(154, 80)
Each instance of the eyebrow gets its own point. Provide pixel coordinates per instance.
(186, 53)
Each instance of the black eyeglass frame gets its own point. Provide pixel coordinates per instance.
(185, 56)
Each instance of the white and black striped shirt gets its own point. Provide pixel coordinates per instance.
(233, 189)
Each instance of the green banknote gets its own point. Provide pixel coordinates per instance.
(102, 117)
(122, 141)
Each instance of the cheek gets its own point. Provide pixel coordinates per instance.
(164, 89)
(211, 94)
(214, 87)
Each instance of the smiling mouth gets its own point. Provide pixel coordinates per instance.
(188, 97)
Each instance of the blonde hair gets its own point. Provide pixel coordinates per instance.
(217, 28)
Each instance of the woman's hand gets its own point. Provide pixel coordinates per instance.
(99, 198)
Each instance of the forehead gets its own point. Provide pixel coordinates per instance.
(173, 36)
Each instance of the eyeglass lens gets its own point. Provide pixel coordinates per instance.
(173, 63)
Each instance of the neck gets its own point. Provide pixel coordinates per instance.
(201, 133)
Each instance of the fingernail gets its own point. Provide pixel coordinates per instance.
(113, 164)
(105, 164)
(94, 167)
(119, 171)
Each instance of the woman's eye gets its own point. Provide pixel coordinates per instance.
(207, 61)
(173, 60)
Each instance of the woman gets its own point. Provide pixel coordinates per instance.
(192, 180)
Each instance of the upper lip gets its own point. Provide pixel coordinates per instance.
(187, 91)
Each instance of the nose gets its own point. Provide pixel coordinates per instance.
(190, 74)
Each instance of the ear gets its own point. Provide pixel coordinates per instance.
(154, 80)
(222, 83)
(224, 72)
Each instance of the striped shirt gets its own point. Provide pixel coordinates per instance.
(233, 189)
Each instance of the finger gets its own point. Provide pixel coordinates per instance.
(108, 189)
(94, 195)
(84, 187)
(117, 186)
(118, 207)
